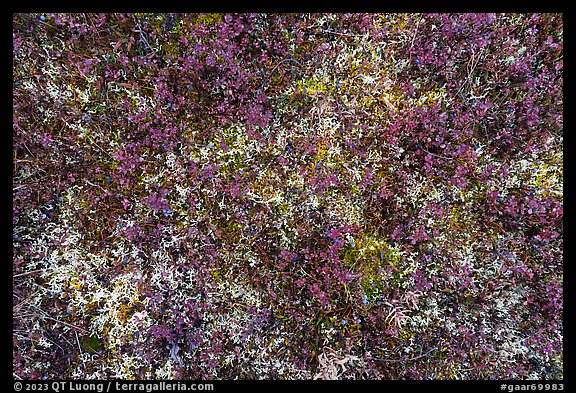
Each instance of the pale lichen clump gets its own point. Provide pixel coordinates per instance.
(77, 277)
(111, 309)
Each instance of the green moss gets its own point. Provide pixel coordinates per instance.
(312, 86)
(91, 344)
(433, 96)
(231, 232)
(549, 178)
(370, 255)
(207, 20)
(217, 276)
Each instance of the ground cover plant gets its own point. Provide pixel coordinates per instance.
(287, 196)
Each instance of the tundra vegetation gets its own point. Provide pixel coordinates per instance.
(287, 196)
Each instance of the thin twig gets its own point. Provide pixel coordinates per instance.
(26, 273)
(98, 146)
(143, 36)
(414, 37)
(435, 155)
(78, 341)
(470, 67)
(26, 147)
(346, 34)
(403, 360)
(63, 337)
(267, 79)
(58, 321)
(96, 185)
(19, 187)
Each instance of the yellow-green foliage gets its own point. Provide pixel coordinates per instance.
(396, 22)
(321, 151)
(432, 96)
(207, 19)
(549, 178)
(313, 86)
(364, 257)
